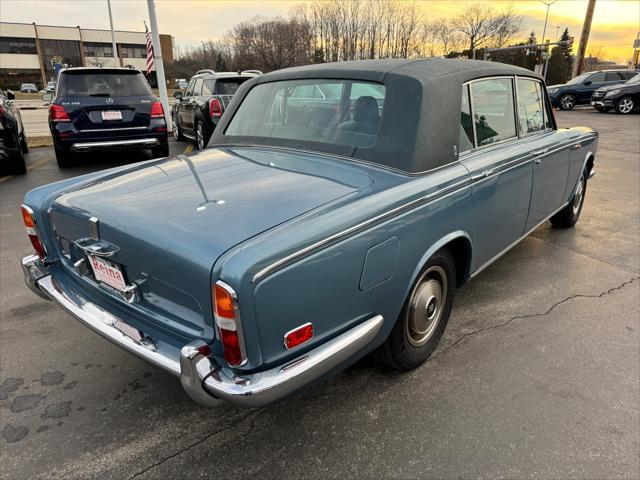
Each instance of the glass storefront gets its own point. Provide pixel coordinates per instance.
(65, 51)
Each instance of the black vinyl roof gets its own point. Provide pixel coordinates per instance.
(421, 121)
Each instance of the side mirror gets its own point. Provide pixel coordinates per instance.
(588, 82)
(47, 97)
(11, 95)
(177, 95)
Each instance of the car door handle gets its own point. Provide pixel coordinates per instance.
(577, 146)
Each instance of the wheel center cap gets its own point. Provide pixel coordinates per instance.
(431, 308)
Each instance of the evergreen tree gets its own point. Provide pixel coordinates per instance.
(556, 71)
(567, 55)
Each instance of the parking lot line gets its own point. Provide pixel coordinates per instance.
(188, 149)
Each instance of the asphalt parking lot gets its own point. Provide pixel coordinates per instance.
(537, 375)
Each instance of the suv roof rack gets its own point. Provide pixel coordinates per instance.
(206, 70)
(256, 72)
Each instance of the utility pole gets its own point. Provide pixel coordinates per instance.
(584, 38)
(157, 54)
(113, 36)
(204, 52)
(548, 3)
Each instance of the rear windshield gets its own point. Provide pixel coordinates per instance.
(102, 84)
(341, 112)
(222, 86)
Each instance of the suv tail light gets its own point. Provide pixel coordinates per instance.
(29, 220)
(215, 108)
(225, 304)
(156, 110)
(57, 113)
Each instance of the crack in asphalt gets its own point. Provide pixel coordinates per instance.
(520, 317)
(195, 444)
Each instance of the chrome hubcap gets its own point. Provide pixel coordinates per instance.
(200, 139)
(426, 306)
(577, 197)
(567, 102)
(626, 105)
(175, 129)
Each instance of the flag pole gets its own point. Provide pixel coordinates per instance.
(113, 36)
(157, 53)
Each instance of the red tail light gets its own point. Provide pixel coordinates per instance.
(228, 323)
(298, 336)
(29, 220)
(57, 113)
(156, 110)
(215, 108)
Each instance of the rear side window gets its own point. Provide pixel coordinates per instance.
(530, 106)
(102, 84)
(197, 88)
(597, 77)
(613, 77)
(466, 127)
(629, 75)
(493, 113)
(223, 86)
(337, 112)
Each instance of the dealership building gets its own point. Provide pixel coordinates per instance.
(29, 51)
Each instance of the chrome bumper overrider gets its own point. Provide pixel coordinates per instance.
(202, 378)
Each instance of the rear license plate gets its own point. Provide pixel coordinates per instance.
(128, 330)
(107, 272)
(112, 115)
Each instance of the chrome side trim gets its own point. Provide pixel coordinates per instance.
(92, 130)
(142, 142)
(319, 245)
(513, 244)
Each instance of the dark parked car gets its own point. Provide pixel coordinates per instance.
(199, 108)
(578, 90)
(28, 88)
(295, 244)
(13, 143)
(625, 98)
(105, 108)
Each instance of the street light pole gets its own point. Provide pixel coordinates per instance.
(113, 36)
(548, 3)
(157, 53)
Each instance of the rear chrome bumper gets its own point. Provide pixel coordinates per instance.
(202, 378)
(135, 143)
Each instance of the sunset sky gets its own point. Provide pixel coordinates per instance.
(615, 24)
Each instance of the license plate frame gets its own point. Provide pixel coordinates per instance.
(111, 115)
(107, 272)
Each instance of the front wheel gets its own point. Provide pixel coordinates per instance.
(177, 132)
(567, 102)
(202, 138)
(569, 215)
(424, 316)
(625, 105)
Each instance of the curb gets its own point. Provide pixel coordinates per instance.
(39, 141)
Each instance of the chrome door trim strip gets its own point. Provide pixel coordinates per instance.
(336, 237)
(513, 244)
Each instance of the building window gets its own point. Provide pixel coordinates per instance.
(65, 52)
(96, 49)
(18, 45)
(130, 50)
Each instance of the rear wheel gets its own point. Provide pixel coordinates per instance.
(567, 101)
(63, 157)
(16, 164)
(625, 105)
(161, 151)
(424, 316)
(569, 215)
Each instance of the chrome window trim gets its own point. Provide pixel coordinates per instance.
(360, 227)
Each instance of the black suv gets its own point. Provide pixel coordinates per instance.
(579, 89)
(625, 98)
(198, 110)
(105, 108)
(13, 143)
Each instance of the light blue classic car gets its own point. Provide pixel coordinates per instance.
(335, 212)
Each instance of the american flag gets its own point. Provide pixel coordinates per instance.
(150, 61)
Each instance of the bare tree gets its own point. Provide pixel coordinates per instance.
(482, 24)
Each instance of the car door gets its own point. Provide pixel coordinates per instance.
(590, 85)
(499, 164)
(192, 104)
(550, 162)
(183, 104)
